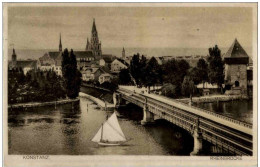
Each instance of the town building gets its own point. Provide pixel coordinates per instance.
(105, 77)
(86, 74)
(93, 73)
(106, 60)
(24, 65)
(84, 58)
(159, 60)
(128, 59)
(118, 64)
(45, 63)
(236, 62)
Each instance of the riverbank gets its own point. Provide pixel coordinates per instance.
(95, 87)
(213, 98)
(98, 93)
(103, 104)
(40, 104)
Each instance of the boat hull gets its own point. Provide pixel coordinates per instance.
(109, 144)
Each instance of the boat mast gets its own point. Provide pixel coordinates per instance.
(101, 132)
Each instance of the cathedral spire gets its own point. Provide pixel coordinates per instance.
(94, 29)
(60, 46)
(95, 45)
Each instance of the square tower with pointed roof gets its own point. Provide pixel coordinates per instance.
(236, 61)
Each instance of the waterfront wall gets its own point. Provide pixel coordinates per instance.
(98, 93)
(104, 105)
(40, 104)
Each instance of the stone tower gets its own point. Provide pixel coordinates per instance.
(94, 45)
(123, 53)
(60, 45)
(236, 61)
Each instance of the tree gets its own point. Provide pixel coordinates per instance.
(170, 68)
(134, 68)
(137, 70)
(65, 62)
(124, 77)
(112, 86)
(71, 74)
(169, 90)
(195, 76)
(188, 87)
(183, 67)
(216, 66)
(174, 72)
(202, 68)
(142, 67)
(152, 73)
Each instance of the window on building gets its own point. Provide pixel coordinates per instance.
(236, 83)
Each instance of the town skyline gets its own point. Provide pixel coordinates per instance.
(148, 27)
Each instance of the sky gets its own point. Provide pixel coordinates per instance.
(148, 27)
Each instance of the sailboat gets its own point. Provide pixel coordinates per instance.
(110, 133)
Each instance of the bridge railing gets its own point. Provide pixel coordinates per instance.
(245, 124)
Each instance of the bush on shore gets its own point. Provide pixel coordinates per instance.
(35, 86)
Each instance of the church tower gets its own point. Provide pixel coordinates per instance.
(88, 45)
(95, 45)
(123, 53)
(60, 46)
(14, 59)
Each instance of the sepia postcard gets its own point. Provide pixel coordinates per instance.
(130, 84)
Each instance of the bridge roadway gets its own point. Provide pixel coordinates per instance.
(226, 134)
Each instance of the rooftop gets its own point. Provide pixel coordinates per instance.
(236, 51)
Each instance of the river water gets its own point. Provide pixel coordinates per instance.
(239, 109)
(67, 131)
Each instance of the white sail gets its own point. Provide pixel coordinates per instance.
(112, 131)
(97, 137)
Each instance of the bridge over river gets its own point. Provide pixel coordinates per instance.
(226, 134)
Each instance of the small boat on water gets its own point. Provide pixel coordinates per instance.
(110, 133)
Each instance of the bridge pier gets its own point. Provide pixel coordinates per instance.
(197, 136)
(148, 117)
